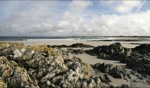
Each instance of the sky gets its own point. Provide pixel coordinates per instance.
(75, 18)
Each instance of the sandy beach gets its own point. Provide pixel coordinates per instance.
(132, 81)
(85, 57)
(131, 44)
(93, 59)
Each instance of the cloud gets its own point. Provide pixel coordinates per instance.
(107, 25)
(51, 19)
(127, 6)
(22, 17)
(79, 6)
(122, 6)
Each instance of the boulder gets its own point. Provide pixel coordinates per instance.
(114, 51)
(114, 71)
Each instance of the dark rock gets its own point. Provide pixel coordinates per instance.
(114, 51)
(142, 49)
(124, 86)
(76, 45)
(107, 78)
(75, 51)
(81, 45)
(58, 46)
(135, 57)
(114, 71)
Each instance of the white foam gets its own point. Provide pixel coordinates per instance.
(67, 39)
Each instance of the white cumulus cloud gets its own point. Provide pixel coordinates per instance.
(47, 19)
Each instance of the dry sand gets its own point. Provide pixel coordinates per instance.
(69, 42)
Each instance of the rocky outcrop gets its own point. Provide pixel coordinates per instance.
(13, 75)
(142, 49)
(114, 71)
(140, 61)
(109, 74)
(114, 51)
(140, 58)
(38, 66)
(135, 57)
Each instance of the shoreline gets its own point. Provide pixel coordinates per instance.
(127, 44)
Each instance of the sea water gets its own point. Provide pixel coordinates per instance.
(72, 38)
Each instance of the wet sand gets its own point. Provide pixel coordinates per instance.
(93, 59)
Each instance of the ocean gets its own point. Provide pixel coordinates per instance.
(72, 38)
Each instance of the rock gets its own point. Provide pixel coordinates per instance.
(80, 45)
(17, 53)
(125, 86)
(58, 46)
(76, 45)
(76, 51)
(102, 78)
(72, 76)
(107, 78)
(114, 71)
(84, 84)
(48, 83)
(4, 45)
(142, 62)
(97, 81)
(91, 83)
(113, 51)
(7, 52)
(135, 57)
(40, 66)
(142, 49)
(48, 77)
(28, 55)
(14, 76)
(2, 84)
